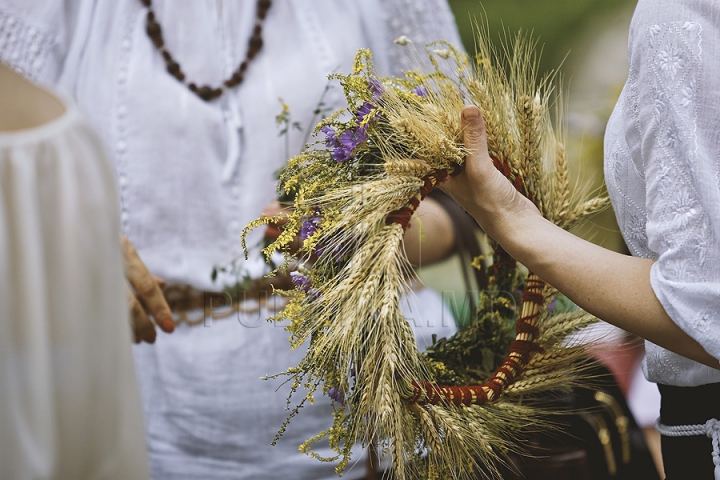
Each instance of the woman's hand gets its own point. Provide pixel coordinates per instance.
(614, 287)
(145, 297)
(480, 188)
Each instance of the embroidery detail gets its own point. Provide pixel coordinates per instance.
(24, 46)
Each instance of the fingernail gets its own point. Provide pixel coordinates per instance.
(168, 324)
(470, 113)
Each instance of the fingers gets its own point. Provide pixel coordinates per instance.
(146, 288)
(143, 329)
(161, 283)
(474, 134)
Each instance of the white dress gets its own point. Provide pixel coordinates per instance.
(662, 168)
(191, 174)
(69, 402)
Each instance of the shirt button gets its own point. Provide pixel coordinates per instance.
(126, 44)
(124, 216)
(234, 225)
(235, 191)
(122, 110)
(121, 146)
(122, 180)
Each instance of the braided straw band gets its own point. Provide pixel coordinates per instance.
(526, 329)
(404, 214)
(525, 343)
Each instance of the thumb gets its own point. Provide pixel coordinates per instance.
(474, 135)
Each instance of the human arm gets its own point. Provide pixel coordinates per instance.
(614, 287)
(429, 239)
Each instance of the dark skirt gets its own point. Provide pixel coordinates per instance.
(686, 458)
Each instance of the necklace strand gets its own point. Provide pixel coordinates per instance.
(206, 92)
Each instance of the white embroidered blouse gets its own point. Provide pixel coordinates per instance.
(662, 168)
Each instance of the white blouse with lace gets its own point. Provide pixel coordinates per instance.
(662, 168)
(191, 174)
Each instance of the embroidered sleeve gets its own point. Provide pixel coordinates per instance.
(421, 22)
(34, 36)
(678, 97)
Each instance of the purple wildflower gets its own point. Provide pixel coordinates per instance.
(330, 136)
(365, 110)
(313, 294)
(310, 225)
(353, 137)
(348, 142)
(302, 282)
(420, 91)
(376, 88)
(341, 154)
(343, 145)
(337, 395)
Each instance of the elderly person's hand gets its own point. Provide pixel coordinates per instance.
(145, 297)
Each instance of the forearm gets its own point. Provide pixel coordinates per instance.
(614, 287)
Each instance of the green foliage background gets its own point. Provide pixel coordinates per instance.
(558, 24)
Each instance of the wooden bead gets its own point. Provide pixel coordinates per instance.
(256, 44)
(155, 33)
(174, 70)
(206, 92)
(262, 8)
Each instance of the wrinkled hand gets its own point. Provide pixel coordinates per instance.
(480, 188)
(145, 297)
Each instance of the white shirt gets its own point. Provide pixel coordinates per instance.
(662, 168)
(69, 405)
(191, 174)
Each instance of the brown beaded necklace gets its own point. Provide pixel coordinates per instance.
(206, 92)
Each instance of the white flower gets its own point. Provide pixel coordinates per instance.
(442, 53)
(402, 40)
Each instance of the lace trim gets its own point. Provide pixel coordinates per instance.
(24, 46)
